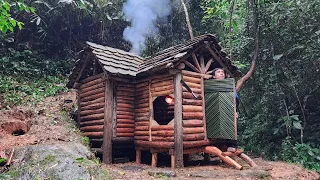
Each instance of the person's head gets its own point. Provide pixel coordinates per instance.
(218, 73)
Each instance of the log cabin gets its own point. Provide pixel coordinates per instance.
(165, 103)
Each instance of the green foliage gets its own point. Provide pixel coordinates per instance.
(86, 141)
(280, 98)
(2, 160)
(302, 154)
(217, 13)
(27, 76)
(21, 91)
(7, 23)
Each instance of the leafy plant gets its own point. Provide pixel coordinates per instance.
(86, 141)
(302, 154)
(7, 23)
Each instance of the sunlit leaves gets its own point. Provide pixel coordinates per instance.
(7, 23)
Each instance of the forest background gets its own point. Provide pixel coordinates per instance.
(280, 103)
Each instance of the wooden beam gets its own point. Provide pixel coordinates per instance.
(192, 67)
(208, 65)
(178, 130)
(154, 159)
(203, 67)
(150, 109)
(203, 109)
(114, 120)
(219, 61)
(195, 60)
(138, 156)
(108, 118)
(181, 66)
(83, 67)
(235, 111)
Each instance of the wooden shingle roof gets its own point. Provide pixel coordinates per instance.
(175, 53)
(117, 61)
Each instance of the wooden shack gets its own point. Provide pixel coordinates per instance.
(158, 103)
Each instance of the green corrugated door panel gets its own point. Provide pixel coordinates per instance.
(220, 102)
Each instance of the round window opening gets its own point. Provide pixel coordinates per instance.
(163, 109)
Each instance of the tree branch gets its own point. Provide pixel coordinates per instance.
(187, 19)
(253, 64)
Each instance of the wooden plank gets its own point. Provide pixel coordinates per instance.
(178, 130)
(108, 117)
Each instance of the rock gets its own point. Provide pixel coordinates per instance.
(57, 161)
(162, 172)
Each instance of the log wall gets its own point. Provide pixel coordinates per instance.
(142, 118)
(193, 113)
(91, 106)
(124, 123)
(156, 136)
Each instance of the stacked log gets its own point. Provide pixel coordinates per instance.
(142, 121)
(125, 109)
(194, 132)
(158, 135)
(91, 106)
(163, 86)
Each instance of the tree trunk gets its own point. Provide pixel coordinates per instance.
(187, 18)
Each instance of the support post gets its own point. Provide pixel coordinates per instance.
(138, 156)
(108, 118)
(154, 159)
(204, 109)
(178, 131)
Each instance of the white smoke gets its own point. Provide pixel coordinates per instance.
(143, 15)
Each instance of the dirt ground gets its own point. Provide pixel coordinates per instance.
(49, 122)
